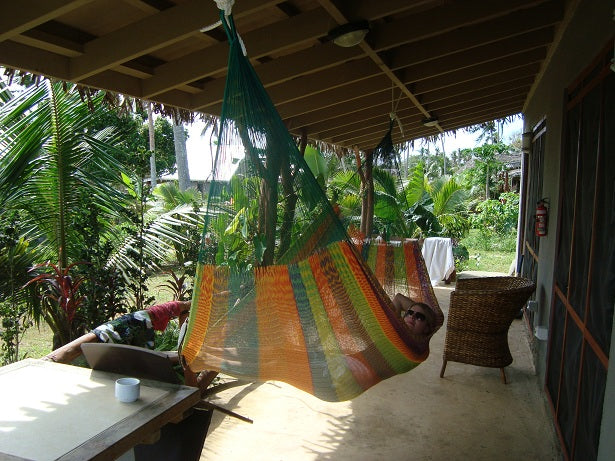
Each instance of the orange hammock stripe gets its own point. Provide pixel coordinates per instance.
(281, 340)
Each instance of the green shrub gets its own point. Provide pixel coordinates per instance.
(497, 217)
(461, 256)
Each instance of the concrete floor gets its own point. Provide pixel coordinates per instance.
(468, 415)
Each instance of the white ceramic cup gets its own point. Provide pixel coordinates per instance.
(127, 389)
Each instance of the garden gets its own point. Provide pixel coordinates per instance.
(87, 233)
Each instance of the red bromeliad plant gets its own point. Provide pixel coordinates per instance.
(178, 286)
(60, 300)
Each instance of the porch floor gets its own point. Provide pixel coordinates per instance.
(468, 415)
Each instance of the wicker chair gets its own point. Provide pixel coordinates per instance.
(480, 313)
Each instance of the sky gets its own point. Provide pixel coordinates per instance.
(199, 156)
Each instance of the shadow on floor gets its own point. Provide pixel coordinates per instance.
(468, 415)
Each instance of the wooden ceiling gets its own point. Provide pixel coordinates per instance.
(462, 62)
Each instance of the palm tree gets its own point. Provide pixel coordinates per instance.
(55, 170)
(48, 156)
(181, 156)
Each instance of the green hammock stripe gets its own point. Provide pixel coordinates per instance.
(387, 356)
(343, 381)
(399, 263)
(372, 255)
(355, 311)
(323, 386)
(242, 337)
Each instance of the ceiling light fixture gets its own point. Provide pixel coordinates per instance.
(430, 121)
(350, 34)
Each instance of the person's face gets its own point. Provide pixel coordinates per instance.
(416, 320)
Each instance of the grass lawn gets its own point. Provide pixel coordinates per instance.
(490, 261)
(491, 255)
(36, 342)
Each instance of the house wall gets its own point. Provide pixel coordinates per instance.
(590, 28)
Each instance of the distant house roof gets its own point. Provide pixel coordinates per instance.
(510, 160)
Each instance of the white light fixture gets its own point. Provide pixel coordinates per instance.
(350, 34)
(430, 121)
(526, 142)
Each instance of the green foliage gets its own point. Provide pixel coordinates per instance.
(493, 253)
(61, 170)
(497, 217)
(454, 225)
(103, 286)
(176, 203)
(179, 286)
(461, 255)
(133, 136)
(317, 164)
(15, 260)
(482, 176)
(481, 241)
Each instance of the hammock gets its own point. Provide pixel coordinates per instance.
(281, 291)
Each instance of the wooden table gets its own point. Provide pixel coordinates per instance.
(50, 411)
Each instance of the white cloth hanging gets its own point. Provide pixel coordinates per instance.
(438, 255)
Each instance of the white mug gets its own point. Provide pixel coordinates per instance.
(127, 389)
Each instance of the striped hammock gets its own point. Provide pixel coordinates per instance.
(322, 325)
(281, 291)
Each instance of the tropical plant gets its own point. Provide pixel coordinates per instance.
(497, 217)
(179, 286)
(48, 155)
(60, 300)
(417, 207)
(185, 207)
(53, 166)
(485, 168)
(15, 260)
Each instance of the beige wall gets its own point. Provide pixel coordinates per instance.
(590, 28)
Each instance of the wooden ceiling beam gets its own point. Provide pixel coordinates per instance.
(362, 9)
(328, 80)
(151, 33)
(41, 40)
(510, 67)
(330, 98)
(380, 110)
(475, 96)
(306, 62)
(505, 80)
(34, 60)
(17, 17)
(380, 101)
(380, 105)
(438, 21)
(456, 64)
(374, 133)
(415, 133)
(518, 24)
(511, 108)
(346, 127)
(268, 40)
(306, 27)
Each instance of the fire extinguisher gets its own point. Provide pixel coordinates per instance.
(541, 218)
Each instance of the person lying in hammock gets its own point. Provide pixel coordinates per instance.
(134, 329)
(419, 317)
